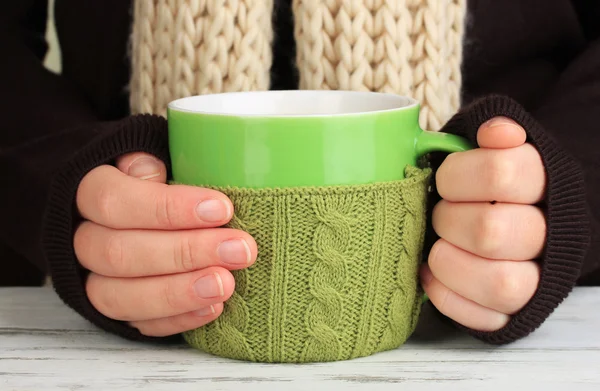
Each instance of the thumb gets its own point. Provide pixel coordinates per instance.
(143, 166)
(501, 132)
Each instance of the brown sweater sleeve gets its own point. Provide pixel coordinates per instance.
(49, 139)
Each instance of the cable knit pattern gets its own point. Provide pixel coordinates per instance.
(410, 47)
(336, 274)
(407, 290)
(336, 216)
(188, 47)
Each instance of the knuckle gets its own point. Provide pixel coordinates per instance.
(178, 324)
(435, 254)
(531, 279)
(184, 256)
(508, 287)
(85, 190)
(174, 301)
(500, 173)
(82, 241)
(166, 209)
(540, 228)
(105, 199)
(437, 220)
(442, 174)
(443, 302)
(114, 254)
(104, 299)
(491, 232)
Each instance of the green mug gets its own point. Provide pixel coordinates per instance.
(328, 184)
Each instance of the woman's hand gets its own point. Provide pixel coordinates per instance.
(483, 269)
(156, 256)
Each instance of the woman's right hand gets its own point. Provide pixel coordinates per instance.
(156, 257)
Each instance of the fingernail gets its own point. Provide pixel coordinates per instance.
(426, 275)
(144, 168)
(209, 286)
(499, 121)
(210, 310)
(213, 210)
(234, 252)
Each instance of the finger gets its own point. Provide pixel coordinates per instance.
(513, 175)
(134, 299)
(495, 231)
(143, 166)
(504, 286)
(111, 198)
(501, 132)
(179, 323)
(140, 253)
(456, 307)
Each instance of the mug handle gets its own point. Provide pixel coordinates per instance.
(429, 141)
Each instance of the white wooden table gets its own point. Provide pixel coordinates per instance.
(45, 346)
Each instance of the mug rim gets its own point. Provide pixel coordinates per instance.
(394, 103)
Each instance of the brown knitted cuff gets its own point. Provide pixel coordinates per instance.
(565, 208)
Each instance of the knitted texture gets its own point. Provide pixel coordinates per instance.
(190, 47)
(407, 47)
(336, 276)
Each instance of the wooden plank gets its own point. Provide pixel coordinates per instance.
(45, 346)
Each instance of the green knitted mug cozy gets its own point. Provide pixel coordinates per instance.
(336, 276)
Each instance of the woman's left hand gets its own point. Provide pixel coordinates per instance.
(484, 269)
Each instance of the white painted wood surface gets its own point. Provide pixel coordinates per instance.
(45, 346)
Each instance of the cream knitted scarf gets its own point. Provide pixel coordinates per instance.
(408, 47)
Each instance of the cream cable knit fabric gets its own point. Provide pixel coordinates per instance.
(188, 47)
(408, 47)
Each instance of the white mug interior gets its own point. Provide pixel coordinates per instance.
(292, 103)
